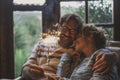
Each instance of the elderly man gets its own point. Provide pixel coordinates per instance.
(37, 67)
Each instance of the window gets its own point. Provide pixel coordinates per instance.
(76, 7)
(27, 29)
(27, 17)
(99, 12)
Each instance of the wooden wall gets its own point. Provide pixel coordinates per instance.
(116, 20)
(6, 40)
(51, 13)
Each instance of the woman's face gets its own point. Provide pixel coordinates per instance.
(80, 43)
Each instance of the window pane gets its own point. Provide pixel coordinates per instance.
(76, 7)
(27, 29)
(108, 32)
(100, 11)
(36, 2)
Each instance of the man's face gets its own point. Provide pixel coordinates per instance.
(68, 34)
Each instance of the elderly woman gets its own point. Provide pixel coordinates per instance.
(91, 42)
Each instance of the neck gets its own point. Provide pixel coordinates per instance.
(89, 50)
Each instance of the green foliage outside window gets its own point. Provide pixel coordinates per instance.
(27, 28)
(100, 11)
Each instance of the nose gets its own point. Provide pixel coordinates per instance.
(76, 41)
(67, 33)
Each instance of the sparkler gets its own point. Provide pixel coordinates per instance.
(50, 41)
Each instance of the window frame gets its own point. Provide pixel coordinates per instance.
(87, 13)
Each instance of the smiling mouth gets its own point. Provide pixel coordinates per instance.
(64, 36)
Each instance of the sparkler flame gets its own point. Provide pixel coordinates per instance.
(49, 42)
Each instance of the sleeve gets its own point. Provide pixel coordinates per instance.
(32, 59)
(66, 65)
(112, 75)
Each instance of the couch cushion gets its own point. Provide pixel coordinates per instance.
(114, 49)
(113, 43)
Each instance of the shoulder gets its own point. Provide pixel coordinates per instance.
(36, 47)
(103, 50)
(100, 51)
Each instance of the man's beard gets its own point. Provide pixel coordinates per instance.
(65, 45)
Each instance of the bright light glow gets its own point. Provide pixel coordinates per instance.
(50, 41)
(37, 2)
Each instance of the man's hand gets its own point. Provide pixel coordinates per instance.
(104, 62)
(33, 71)
(71, 51)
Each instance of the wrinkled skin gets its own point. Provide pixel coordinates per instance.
(104, 62)
(68, 34)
